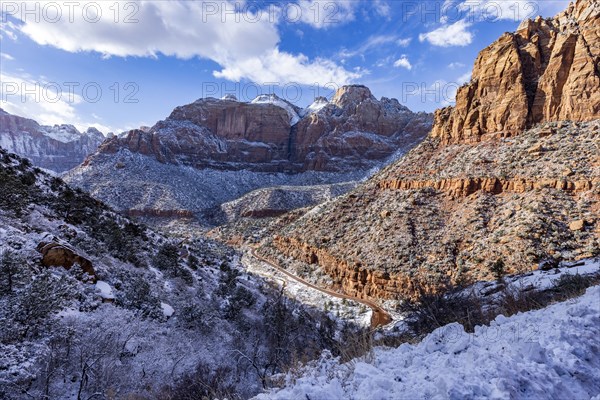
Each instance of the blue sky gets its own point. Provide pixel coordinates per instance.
(117, 65)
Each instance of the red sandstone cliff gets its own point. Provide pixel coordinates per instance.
(545, 71)
(511, 172)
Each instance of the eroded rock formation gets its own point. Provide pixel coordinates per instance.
(546, 71)
(512, 172)
(354, 130)
(60, 255)
(461, 187)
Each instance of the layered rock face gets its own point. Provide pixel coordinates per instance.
(443, 214)
(354, 130)
(58, 148)
(546, 71)
(211, 133)
(469, 194)
(214, 151)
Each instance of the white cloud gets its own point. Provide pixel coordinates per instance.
(239, 41)
(456, 65)
(403, 63)
(277, 66)
(7, 28)
(40, 100)
(382, 8)
(404, 42)
(373, 42)
(455, 34)
(6, 56)
(384, 62)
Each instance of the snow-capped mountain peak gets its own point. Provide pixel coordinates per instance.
(230, 97)
(279, 102)
(58, 148)
(64, 133)
(317, 105)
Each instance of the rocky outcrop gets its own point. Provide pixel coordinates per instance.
(58, 148)
(548, 70)
(211, 133)
(511, 173)
(443, 213)
(354, 279)
(354, 130)
(461, 187)
(61, 255)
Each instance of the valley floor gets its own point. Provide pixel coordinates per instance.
(337, 306)
(551, 353)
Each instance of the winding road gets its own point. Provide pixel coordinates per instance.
(379, 317)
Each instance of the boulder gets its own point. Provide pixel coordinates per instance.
(547, 264)
(577, 225)
(61, 255)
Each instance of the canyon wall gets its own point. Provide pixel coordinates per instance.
(58, 148)
(353, 131)
(545, 71)
(511, 173)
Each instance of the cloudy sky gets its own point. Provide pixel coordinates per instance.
(117, 65)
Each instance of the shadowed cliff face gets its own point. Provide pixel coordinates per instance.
(353, 131)
(546, 71)
(483, 185)
(58, 148)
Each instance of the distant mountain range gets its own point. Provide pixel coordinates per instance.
(58, 148)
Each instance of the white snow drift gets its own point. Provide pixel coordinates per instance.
(553, 353)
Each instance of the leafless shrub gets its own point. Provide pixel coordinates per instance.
(434, 310)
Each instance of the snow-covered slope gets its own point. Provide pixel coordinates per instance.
(552, 353)
(276, 200)
(316, 106)
(63, 133)
(154, 312)
(277, 101)
(144, 184)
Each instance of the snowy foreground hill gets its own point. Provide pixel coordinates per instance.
(552, 353)
(95, 305)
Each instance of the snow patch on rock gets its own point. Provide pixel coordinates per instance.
(167, 310)
(276, 101)
(316, 106)
(105, 290)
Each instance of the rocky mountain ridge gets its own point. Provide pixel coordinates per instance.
(469, 196)
(353, 130)
(58, 148)
(216, 150)
(545, 71)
